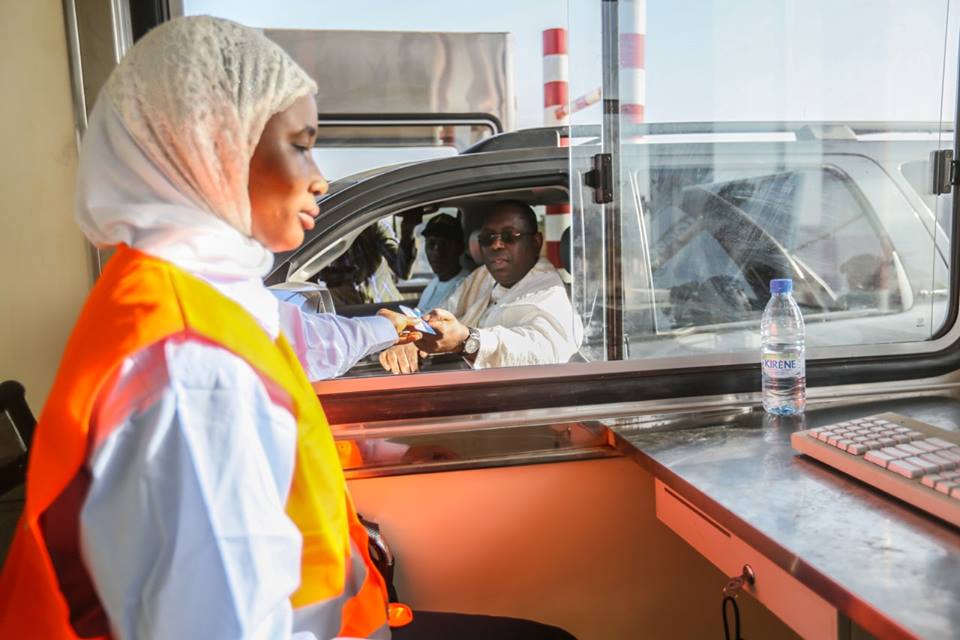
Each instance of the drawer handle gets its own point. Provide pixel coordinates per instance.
(735, 584)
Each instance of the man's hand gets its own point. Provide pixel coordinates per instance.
(404, 325)
(408, 221)
(451, 333)
(401, 358)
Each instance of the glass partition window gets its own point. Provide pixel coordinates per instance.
(746, 141)
(805, 150)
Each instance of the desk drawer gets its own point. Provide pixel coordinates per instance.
(800, 608)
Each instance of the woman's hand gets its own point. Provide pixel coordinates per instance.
(404, 325)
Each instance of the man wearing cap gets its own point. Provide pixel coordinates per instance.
(444, 245)
(513, 311)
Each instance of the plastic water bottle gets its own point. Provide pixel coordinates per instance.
(782, 357)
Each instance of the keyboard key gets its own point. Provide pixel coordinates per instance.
(895, 453)
(871, 444)
(845, 444)
(945, 486)
(942, 444)
(915, 435)
(857, 449)
(942, 463)
(905, 469)
(931, 480)
(886, 441)
(925, 445)
(925, 465)
(910, 448)
(955, 492)
(879, 458)
(823, 435)
(902, 429)
(950, 454)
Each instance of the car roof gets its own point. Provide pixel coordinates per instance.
(686, 133)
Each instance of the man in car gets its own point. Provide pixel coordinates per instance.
(514, 311)
(444, 245)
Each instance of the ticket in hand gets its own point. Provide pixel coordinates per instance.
(421, 326)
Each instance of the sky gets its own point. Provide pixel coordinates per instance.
(705, 59)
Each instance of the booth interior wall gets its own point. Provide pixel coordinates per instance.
(43, 255)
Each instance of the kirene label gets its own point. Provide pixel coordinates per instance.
(778, 365)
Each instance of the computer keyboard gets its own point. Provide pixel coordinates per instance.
(909, 459)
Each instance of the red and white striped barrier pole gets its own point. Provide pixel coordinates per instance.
(555, 84)
(581, 103)
(555, 112)
(633, 80)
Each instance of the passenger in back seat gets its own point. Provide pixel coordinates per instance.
(443, 239)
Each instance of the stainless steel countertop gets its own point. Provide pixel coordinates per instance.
(892, 569)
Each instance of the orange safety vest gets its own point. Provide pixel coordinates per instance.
(45, 591)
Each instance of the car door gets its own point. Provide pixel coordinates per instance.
(354, 204)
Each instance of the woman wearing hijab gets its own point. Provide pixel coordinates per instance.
(183, 480)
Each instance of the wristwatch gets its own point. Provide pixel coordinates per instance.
(472, 344)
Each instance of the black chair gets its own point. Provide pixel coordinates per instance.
(14, 407)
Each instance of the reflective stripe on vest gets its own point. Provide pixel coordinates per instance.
(139, 301)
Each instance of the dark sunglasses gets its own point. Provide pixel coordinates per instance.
(506, 237)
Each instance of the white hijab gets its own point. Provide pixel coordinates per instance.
(165, 160)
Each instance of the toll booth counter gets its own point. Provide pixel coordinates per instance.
(631, 520)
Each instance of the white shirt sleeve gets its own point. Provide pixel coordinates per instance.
(539, 340)
(183, 529)
(328, 345)
(540, 329)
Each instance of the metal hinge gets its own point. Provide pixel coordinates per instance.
(600, 178)
(946, 172)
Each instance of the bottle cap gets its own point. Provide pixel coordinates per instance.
(781, 285)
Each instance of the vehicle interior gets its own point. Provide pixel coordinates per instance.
(469, 211)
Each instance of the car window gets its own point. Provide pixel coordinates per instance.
(814, 215)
